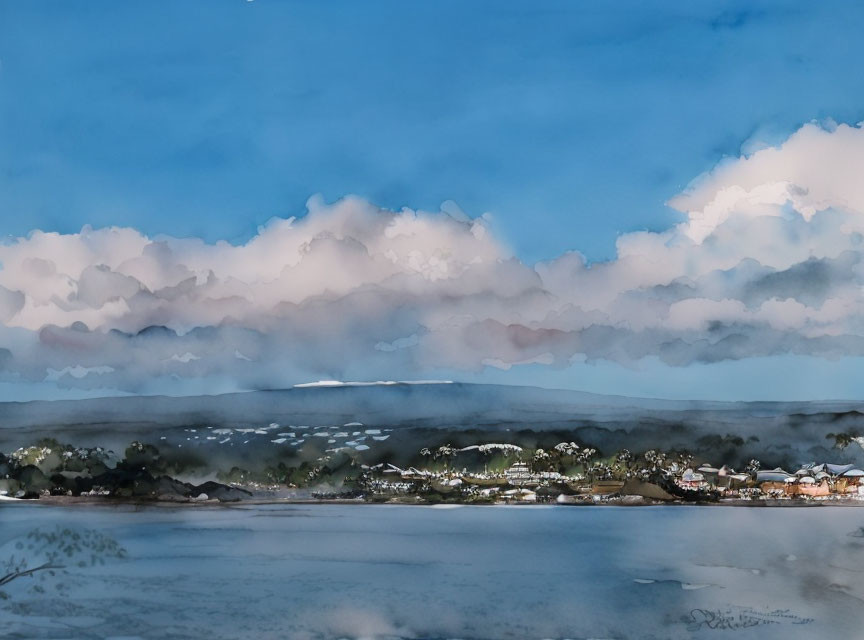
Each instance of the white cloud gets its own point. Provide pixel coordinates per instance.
(816, 169)
(769, 261)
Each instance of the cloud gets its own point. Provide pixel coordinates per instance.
(814, 170)
(768, 261)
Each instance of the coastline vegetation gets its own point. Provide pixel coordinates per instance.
(481, 472)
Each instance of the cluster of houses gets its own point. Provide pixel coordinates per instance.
(519, 483)
(811, 480)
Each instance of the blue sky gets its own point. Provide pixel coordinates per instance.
(570, 122)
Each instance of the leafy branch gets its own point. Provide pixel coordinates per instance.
(9, 577)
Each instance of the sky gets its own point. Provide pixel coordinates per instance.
(577, 150)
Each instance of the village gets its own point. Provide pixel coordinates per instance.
(483, 473)
(570, 474)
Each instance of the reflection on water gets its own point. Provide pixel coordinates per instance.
(473, 572)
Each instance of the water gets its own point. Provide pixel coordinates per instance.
(339, 571)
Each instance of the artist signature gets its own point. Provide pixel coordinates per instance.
(739, 618)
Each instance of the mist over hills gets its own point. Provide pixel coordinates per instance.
(778, 431)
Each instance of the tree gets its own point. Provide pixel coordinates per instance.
(842, 440)
(489, 449)
(42, 553)
(142, 455)
(753, 466)
(600, 471)
(584, 457)
(654, 460)
(566, 452)
(685, 459)
(622, 463)
(566, 448)
(540, 461)
(445, 452)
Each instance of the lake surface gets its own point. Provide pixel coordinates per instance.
(344, 571)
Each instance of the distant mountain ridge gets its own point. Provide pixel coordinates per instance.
(610, 422)
(391, 403)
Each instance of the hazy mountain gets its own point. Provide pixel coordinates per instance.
(783, 430)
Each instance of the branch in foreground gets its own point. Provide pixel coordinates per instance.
(9, 577)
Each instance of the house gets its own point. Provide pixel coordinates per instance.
(735, 482)
(709, 473)
(850, 482)
(856, 474)
(773, 488)
(809, 487)
(838, 469)
(773, 475)
(691, 480)
(519, 474)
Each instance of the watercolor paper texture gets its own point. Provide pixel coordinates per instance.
(431, 320)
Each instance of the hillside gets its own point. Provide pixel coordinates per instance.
(781, 431)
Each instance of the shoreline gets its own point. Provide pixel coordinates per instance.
(76, 501)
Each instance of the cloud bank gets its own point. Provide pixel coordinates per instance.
(768, 260)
